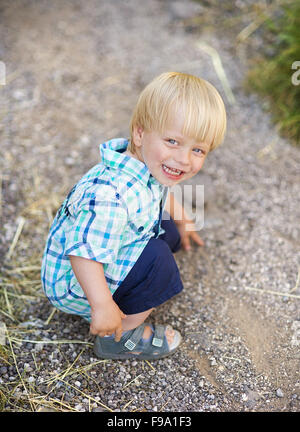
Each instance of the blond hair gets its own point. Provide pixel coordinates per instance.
(203, 108)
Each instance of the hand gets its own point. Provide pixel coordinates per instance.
(107, 320)
(187, 234)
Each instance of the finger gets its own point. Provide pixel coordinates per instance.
(197, 239)
(93, 330)
(118, 334)
(102, 334)
(186, 243)
(123, 315)
(109, 333)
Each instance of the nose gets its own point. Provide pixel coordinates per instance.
(183, 157)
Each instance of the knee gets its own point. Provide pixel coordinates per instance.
(160, 252)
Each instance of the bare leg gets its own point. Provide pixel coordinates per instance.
(134, 320)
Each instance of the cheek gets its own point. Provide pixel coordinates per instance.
(197, 165)
(156, 155)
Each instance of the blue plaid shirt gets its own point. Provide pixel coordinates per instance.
(109, 216)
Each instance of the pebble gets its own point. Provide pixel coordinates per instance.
(279, 393)
(213, 361)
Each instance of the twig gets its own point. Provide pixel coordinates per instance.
(268, 149)
(6, 314)
(232, 358)
(24, 269)
(62, 375)
(35, 363)
(162, 407)
(128, 403)
(68, 371)
(9, 308)
(219, 70)
(87, 396)
(247, 31)
(263, 291)
(45, 402)
(2, 333)
(16, 237)
(1, 195)
(132, 381)
(17, 369)
(62, 341)
(258, 21)
(50, 316)
(150, 365)
(297, 282)
(23, 296)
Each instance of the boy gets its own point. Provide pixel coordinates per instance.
(109, 253)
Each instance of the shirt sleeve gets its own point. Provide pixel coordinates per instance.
(97, 231)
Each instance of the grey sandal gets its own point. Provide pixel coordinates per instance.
(130, 344)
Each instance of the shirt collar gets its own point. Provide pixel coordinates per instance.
(113, 158)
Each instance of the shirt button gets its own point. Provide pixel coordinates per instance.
(140, 229)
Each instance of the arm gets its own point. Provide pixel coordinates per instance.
(175, 209)
(182, 220)
(106, 315)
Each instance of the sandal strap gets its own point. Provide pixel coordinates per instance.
(135, 337)
(159, 334)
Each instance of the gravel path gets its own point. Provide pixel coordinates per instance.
(74, 70)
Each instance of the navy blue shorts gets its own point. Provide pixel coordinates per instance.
(155, 277)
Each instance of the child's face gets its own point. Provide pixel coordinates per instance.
(170, 156)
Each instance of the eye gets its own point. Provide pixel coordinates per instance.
(172, 141)
(198, 151)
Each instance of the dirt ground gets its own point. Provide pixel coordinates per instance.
(73, 73)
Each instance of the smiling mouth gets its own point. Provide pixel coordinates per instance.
(172, 171)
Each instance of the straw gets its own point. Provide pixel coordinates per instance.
(297, 282)
(16, 237)
(263, 291)
(217, 63)
(2, 333)
(17, 369)
(87, 396)
(54, 342)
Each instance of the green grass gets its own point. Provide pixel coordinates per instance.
(271, 77)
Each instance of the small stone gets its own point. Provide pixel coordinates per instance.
(244, 397)
(77, 383)
(27, 367)
(279, 393)
(213, 361)
(19, 94)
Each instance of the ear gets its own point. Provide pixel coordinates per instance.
(138, 133)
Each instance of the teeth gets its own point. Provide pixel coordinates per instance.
(172, 171)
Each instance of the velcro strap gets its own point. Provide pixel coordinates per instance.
(159, 335)
(135, 337)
